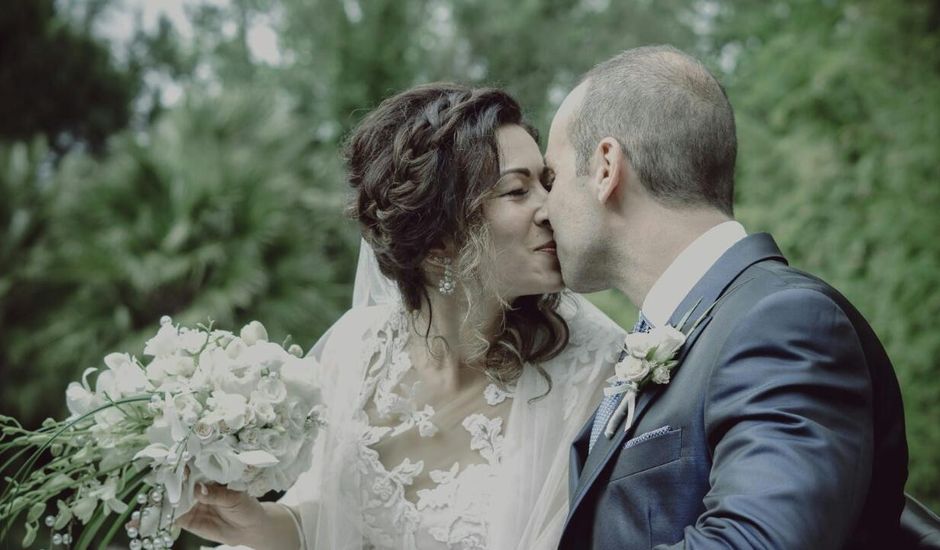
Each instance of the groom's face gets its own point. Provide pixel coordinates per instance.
(572, 209)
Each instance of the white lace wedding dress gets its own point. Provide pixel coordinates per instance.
(397, 468)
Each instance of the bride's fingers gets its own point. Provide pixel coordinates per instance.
(216, 495)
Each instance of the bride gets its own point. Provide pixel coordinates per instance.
(457, 381)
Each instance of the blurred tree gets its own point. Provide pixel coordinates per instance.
(219, 213)
(58, 81)
(838, 108)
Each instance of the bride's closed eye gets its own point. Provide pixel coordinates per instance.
(518, 192)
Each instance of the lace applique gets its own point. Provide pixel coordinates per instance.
(494, 395)
(453, 512)
(485, 436)
(464, 496)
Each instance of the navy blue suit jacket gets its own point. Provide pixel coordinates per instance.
(782, 427)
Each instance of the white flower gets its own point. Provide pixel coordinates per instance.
(218, 462)
(254, 332)
(235, 348)
(79, 399)
(235, 375)
(166, 342)
(265, 355)
(107, 494)
(248, 438)
(129, 379)
(203, 430)
(192, 340)
(273, 441)
(638, 344)
(661, 375)
(272, 390)
(228, 410)
(632, 369)
(262, 409)
(84, 507)
(188, 408)
(295, 350)
(668, 340)
(300, 376)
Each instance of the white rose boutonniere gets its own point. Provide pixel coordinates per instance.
(649, 357)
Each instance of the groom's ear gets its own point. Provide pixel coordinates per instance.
(610, 168)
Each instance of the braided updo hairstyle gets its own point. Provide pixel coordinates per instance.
(422, 164)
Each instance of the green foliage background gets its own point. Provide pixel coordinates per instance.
(119, 206)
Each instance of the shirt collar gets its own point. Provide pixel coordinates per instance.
(685, 271)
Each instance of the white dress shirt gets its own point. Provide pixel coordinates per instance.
(687, 269)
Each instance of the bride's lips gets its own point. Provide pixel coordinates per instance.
(548, 248)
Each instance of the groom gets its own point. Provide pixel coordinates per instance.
(781, 425)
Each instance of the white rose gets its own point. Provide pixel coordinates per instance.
(248, 438)
(254, 332)
(228, 410)
(668, 341)
(638, 344)
(273, 441)
(632, 369)
(262, 409)
(203, 430)
(272, 389)
(661, 375)
(236, 377)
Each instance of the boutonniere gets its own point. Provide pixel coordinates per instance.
(650, 357)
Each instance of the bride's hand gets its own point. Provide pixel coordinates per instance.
(225, 516)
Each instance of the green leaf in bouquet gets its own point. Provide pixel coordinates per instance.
(35, 512)
(63, 517)
(30, 537)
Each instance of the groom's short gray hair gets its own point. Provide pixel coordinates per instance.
(673, 119)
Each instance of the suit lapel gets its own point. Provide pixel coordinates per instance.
(577, 455)
(750, 250)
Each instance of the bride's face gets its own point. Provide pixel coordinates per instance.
(525, 261)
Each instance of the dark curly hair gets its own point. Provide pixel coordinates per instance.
(422, 164)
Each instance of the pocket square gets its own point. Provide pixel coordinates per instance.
(646, 437)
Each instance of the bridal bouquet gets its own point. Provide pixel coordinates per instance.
(206, 406)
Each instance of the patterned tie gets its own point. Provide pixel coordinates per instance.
(609, 403)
